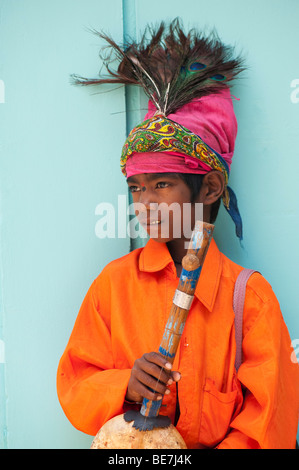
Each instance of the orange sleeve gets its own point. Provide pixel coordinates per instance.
(270, 377)
(90, 389)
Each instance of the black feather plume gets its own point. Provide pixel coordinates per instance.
(172, 67)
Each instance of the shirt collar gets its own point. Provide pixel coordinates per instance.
(155, 257)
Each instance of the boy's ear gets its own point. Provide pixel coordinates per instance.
(212, 187)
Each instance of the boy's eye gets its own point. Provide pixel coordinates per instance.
(134, 189)
(162, 184)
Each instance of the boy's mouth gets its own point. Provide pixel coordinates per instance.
(146, 222)
(154, 222)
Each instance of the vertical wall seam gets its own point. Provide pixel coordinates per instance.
(3, 392)
(129, 32)
(131, 93)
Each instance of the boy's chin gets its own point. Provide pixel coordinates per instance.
(161, 239)
(164, 238)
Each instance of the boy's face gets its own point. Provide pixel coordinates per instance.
(162, 205)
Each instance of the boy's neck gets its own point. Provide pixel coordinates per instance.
(177, 249)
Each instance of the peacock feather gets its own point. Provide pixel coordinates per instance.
(171, 66)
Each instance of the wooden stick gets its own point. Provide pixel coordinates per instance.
(192, 264)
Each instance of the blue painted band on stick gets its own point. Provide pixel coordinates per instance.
(165, 353)
(191, 276)
(154, 409)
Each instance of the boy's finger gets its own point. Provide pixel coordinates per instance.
(145, 392)
(150, 382)
(155, 371)
(176, 376)
(158, 359)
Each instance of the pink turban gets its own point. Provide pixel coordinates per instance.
(211, 117)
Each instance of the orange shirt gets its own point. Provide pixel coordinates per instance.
(123, 316)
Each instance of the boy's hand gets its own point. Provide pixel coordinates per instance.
(145, 374)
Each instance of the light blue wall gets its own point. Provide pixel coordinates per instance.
(60, 149)
(59, 160)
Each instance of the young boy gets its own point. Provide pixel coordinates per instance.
(181, 154)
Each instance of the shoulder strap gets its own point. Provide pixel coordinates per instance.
(238, 305)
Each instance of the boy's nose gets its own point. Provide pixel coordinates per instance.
(147, 198)
(146, 204)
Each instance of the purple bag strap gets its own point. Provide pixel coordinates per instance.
(238, 306)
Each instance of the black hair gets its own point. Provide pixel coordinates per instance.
(194, 183)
